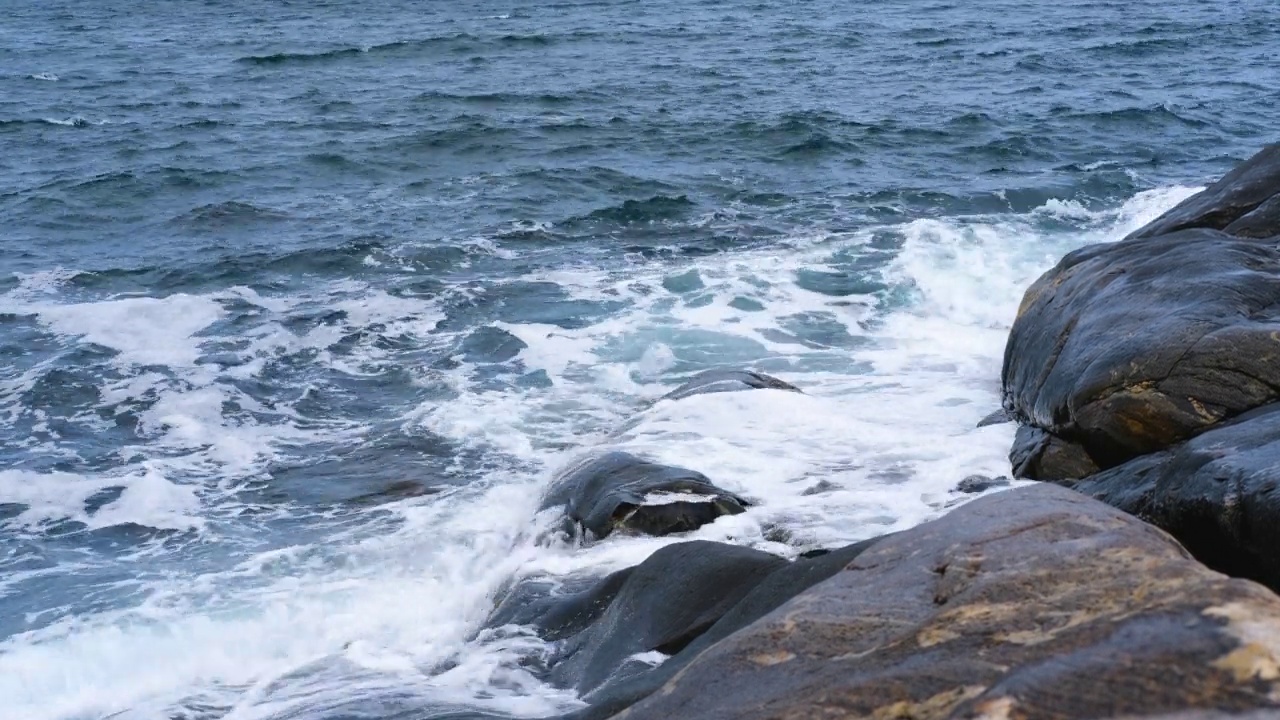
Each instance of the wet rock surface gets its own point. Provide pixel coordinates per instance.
(1127, 348)
(1145, 372)
(981, 483)
(660, 606)
(683, 599)
(620, 491)
(1218, 493)
(1240, 193)
(1037, 602)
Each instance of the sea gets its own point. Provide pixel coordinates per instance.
(303, 304)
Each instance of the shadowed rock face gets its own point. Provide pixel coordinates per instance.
(1218, 493)
(1127, 348)
(1032, 603)
(1249, 190)
(661, 605)
(679, 601)
(714, 381)
(618, 490)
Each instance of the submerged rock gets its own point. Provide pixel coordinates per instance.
(1037, 602)
(714, 381)
(1218, 494)
(981, 483)
(554, 611)
(1130, 347)
(619, 491)
(400, 490)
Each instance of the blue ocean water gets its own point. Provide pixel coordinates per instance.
(301, 304)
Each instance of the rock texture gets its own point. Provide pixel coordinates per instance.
(1249, 190)
(1032, 603)
(618, 490)
(661, 606)
(1218, 493)
(1144, 372)
(1127, 348)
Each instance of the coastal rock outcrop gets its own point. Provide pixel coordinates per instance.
(660, 606)
(1243, 202)
(620, 491)
(1218, 493)
(1127, 348)
(1036, 602)
(608, 634)
(1146, 372)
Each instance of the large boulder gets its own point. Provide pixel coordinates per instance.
(1036, 602)
(1245, 202)
(1218, 494)
(620, 491)
(1127, 348)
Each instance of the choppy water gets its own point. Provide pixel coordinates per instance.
(262, 259)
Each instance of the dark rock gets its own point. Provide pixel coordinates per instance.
(556, 612)
(1127, 348)
(1218, 494)
(618, 490)
(981, 483)
(1218, 206)
(660, 605)
(822, 486)
(1032, 603)
(999, 417)
(714, 381)
(1041, 455)
(1262, 222)
(771, 592)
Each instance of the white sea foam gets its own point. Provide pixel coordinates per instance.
(143, 330)
(887, 419)
(73, 121)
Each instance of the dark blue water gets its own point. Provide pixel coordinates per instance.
(300, 303)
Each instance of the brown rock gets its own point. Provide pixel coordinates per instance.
(1127, 348)
(1032, 603)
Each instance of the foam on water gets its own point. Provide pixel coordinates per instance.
(382, 609)
(144, 330)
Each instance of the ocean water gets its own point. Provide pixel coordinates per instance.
(263, 261)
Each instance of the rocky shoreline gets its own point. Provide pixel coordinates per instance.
(1138, 581)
